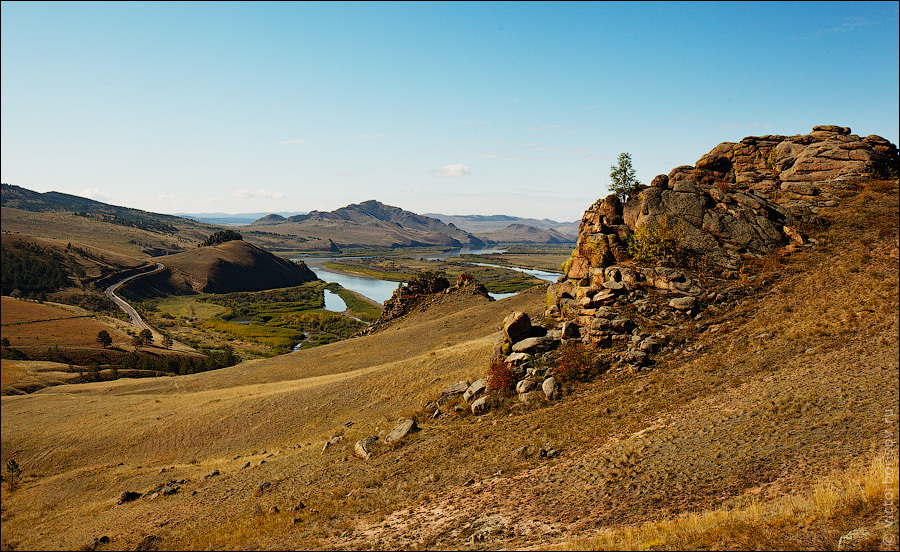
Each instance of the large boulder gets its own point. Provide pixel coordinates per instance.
(517, 326)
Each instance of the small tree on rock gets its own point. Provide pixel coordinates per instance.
(622, 176)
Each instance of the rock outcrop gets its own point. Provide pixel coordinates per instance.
(740, 200)
(737, 199)
(418, 290)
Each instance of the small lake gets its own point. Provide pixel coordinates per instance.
(377, 290)
(333, 302)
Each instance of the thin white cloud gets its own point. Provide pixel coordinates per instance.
(847, 26)
(258, 194)
(96, 194)
(452, 170)
(370, 136)
(293, 142)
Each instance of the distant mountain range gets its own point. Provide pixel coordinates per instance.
(480, 224)
(370, 224)
(373, 223)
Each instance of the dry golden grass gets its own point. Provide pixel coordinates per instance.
(117, 239)
(28, 324)
(788, 522)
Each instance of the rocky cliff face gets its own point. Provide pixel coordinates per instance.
(739, 201)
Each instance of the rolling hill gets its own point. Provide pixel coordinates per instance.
(518, 233)
(772, 407)
(227, 267)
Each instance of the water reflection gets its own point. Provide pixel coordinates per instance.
(333, 302)
(382, 290)
(542, 274)
(377, 290)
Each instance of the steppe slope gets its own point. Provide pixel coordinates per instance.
(234, 266)
(799, 382)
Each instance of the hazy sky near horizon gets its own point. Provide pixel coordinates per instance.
(453, 108)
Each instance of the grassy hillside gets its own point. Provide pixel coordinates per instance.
(796, 382)
(235, 266)
(124, 240)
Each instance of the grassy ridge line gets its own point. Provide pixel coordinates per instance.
(368, 272)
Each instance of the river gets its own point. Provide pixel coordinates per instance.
(382, 290)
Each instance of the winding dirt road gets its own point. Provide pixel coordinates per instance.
(135, 317)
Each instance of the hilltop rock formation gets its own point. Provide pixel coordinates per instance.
(424, 287)
(739, 201)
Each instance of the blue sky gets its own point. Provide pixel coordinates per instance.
(454, 108)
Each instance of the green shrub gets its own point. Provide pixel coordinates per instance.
(656, 242)
(13, 475)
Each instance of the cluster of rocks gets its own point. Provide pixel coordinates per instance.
(162, 489)
(414, 294)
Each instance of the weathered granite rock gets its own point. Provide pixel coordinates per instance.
(683, 303)
(480, 406)
(549, 387)
(475, 390)
(516, 326)
(457, 388)
(534, 345)
(404, 427)
(741, 200)
(525, 385)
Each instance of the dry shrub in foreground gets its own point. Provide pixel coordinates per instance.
(501, 376)
(858, 491)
